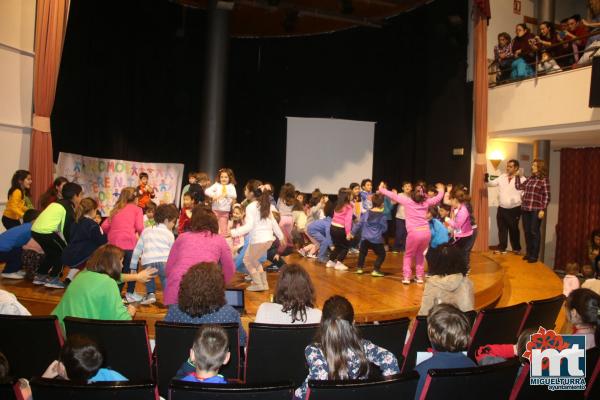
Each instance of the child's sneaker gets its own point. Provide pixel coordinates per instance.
(12, 275)
(54, 283)
(330, 264)
(302, 252)
(359, 271)
(377, 274)
(340, 266)
(313, 256)
(40, 279)
(353, 251)
(406, 281)
(133, 297)
(22, 272)
(247, 278)
(150, 298)
(419, 280)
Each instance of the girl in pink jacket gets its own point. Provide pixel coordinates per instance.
(125, 223)
(460, 223)
(417, 226)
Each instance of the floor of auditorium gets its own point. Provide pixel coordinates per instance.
(499, 280)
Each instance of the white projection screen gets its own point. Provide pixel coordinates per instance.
(328, 153)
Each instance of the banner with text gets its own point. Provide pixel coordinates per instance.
(103, 178)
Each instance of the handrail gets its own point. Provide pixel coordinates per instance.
(542, 48)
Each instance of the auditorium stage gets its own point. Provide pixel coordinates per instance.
(498, 281)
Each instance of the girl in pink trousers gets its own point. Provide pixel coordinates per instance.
(417, 226)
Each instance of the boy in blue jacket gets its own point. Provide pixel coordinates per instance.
(372, 225)
(11, 243)
(439, 234)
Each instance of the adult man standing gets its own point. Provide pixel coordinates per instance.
(509, 209)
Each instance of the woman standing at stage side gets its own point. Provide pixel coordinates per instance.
(536, 196)
(415, 209)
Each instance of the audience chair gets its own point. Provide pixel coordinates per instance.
(418, 341)
(8, 391)
(275, 353)
(179, 390)
(392, 388)
(592, 390)
(30, 344)
(124, 343)
(488, 382)
(542, 313)
(496, 326)
(390, 335)
(173, 344)
(52, 389)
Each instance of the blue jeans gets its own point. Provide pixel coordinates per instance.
(151, 285)
(532, 225)
(127, 254)
(12, 259)
(400, 241)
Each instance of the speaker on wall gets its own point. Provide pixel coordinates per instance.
(595, 83)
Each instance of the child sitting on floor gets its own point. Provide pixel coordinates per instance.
(591, 282)
(209, 352)
(570, 281)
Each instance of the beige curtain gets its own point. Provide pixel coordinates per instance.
(480, 99)
(50, 28)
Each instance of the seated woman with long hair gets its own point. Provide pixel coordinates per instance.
(338, 352)
(294, 299)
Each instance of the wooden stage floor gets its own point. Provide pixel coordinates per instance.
(498, 280)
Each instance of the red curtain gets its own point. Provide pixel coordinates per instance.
(50, 28)
(479, 196)
(579, 204)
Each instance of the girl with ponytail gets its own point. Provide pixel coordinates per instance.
(338, 352)
(261, 226)
(583, 311)
(86, 237)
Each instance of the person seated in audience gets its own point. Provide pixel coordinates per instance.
(448, 281)
(524, 52)
(9, 305)
(593, 42)
(448, 330)
(575, 29)
(94, 292)
(294, 299)
(583, 311)
(80, 360)
(201, 299)
(11, 246)
(547, 64)
(591, 282)
(570, 281)
(497, 353)
(503, 56)
(593, 251)
(338, 352)
(209, 352)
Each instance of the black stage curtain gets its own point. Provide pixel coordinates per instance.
(131, 87)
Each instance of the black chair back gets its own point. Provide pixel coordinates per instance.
(179, 390)
(496, 326)
(275, 353)
(173, 343)
(124, 343)
(592, 390)
(52, 389)
(390, 335)
(7, 391)
(488, 382)
(418, 341)
(392, 388)
(542, 313)
(30, 344)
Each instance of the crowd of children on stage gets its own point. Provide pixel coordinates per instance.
(69, 228)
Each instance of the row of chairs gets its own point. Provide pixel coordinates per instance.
(274, 352)
(499, 381)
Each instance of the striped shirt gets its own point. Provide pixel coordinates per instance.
(536, 193)
(153, 246)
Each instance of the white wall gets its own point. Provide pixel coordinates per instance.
(566, 8)
(17, 28)
(557, 100)
(504, 20)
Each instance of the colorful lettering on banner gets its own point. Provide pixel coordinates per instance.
(103, 179)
